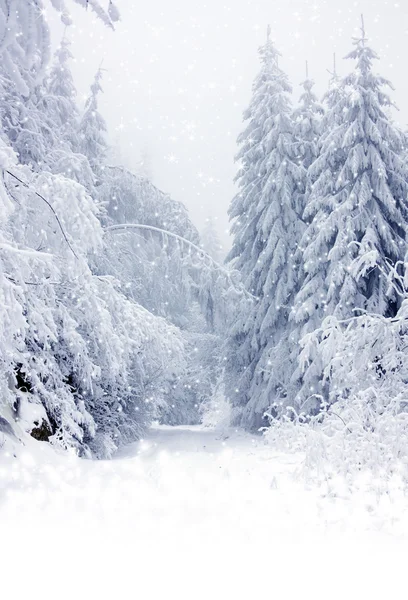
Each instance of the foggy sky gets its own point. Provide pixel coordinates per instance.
(179, 75)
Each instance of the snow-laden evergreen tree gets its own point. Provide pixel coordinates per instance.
(210, 240)
(308, 122)
(41, 124)
(92, 128)
(98, 364)
(357, 210)
(58, 98)
(56, 105)
(25, 50)
(25, 36)
(266, 228)
(144, 166)
(335, 92)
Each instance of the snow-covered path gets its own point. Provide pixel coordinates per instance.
(190, 513)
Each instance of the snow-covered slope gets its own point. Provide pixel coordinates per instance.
(190, 513)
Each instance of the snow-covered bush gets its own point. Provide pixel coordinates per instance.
(360, 440)
(138, 357)
(363, 419)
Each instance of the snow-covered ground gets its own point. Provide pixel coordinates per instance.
(192, 513)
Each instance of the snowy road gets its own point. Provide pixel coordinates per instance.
(191, 513)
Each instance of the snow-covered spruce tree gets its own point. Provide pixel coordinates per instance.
(59, 94)
(357, 212)
(334, 94)
(266, 228)
(210, 240)
(38, 112)
(57, 106)
(308, 123)
(25, 37)
(92, 129)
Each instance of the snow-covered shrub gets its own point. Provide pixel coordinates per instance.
(363, 419)
(358, 439)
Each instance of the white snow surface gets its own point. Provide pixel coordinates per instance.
(192, 513)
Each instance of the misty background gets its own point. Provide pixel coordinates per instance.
(179, 74)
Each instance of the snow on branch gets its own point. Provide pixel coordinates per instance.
(108, 17)
(23, 183)
(200, 252)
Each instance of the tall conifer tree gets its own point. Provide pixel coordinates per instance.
(357, 208)
(92, 128)
(308, 122)
(266, 229)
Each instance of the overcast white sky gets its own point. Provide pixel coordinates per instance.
(179, 74)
